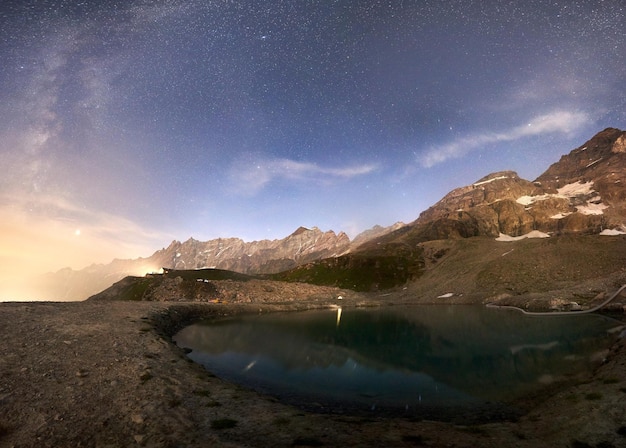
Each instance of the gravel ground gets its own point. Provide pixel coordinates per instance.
(105, 374)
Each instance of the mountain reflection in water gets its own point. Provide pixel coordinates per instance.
(398, 357)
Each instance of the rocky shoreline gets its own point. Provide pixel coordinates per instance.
(105, 373)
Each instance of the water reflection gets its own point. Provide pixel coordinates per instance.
(399, 357)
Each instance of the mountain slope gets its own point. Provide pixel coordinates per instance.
(582, 194)
(481, 269)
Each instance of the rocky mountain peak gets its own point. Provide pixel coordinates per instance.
(600, 164)
(256, 257)
(304, 230)
(498, 175)
(583, 192)
(488, 194)
(300, 230)
(375, 232)
(603, 156)
(173, 244)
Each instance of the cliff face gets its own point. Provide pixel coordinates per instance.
(600, 165)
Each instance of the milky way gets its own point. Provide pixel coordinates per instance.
(125, 124)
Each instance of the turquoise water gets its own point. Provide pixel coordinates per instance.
(438, 361)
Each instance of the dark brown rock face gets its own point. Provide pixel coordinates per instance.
(599, 158)
(601, 164)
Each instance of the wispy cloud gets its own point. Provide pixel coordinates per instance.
(560, 121)
(250, 176)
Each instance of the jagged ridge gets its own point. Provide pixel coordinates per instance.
(304, 245)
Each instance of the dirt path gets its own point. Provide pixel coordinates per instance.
(105, 374)
(563, 313)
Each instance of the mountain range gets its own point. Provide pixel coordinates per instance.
(582, 194)
(257, 257)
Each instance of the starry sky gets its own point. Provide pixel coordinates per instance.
(126, 124)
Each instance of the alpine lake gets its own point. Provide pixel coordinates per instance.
(451, 363)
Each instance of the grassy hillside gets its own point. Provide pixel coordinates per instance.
(376, 268)
(466, 270)
(479, 269)
(184, 284)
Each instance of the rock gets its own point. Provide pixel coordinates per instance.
(619, 145)
(573, 306)
(137, 419)
(513, 219)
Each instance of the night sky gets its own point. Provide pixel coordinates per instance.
(126, 124)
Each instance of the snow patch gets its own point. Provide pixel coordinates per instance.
(566, 192)
(575, 189)
(591, 209)
(593, 206)
(490, 180)
(612, 232)
(446, 295)
(527, 200)
(560, 215)
(533, 234)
